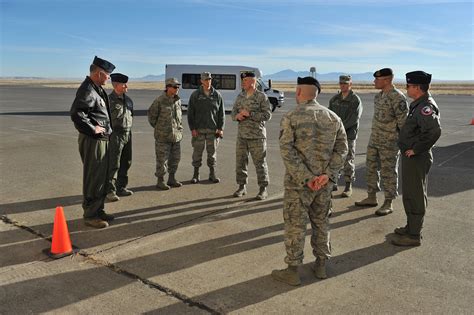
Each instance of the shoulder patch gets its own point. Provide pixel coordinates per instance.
(427, 110)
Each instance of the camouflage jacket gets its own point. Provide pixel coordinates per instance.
(390, 113)
(165, 116)
(349, 109)
(121, 108)
(90, 109)
(258, 106)
(312, 142)
(422, 128)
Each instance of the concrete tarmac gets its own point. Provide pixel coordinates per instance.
(196, 249)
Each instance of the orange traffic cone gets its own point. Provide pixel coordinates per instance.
(61, 244)
(472, 121)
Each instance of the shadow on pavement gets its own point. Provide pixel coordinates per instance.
(254, 291)
(452, 171)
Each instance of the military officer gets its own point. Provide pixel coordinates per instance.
(390, 112)
(206, 118)
(165, 116)
(417, 137)
(90, 113)
(348, 106)
(251, 110)
(313, 147)
(120, 147)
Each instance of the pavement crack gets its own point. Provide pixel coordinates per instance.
(170, 292)
(9, 221)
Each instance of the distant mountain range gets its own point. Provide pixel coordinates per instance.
(291, 75)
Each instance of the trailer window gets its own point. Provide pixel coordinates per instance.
(191, 81)
(224, 81)
(219, 81)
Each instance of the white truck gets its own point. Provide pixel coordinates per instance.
(226, 79)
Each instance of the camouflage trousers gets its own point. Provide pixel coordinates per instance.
(349, 165)
(95, 159)
(382, 162)
(258, 149)
(168, 155)
(206, 138)
(298, 206)
(120, 159)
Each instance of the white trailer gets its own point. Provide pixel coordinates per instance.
(226, 79)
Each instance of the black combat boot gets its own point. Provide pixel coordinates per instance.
(195, 178)
(173, 182)
(212, 175)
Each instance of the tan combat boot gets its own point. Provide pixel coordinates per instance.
(289, 275)
(161, 184)
(240, 191)
(407, 240)
(262, 194)
(97, 223)
(386, 208)
(348, 190)
(370, 201)
(319, 268)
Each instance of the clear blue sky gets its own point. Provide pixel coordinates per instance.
(59, 38)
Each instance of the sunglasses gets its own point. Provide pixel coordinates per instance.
(174, 86)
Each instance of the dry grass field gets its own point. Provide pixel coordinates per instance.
(451, 88)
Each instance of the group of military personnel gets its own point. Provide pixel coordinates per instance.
(316, 144)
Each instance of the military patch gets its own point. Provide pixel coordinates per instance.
(427, 110)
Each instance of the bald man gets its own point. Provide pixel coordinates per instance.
(313, 146)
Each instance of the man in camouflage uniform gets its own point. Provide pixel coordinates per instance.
(348, 106)
(120, 148)
(165, 116)
(251, 110)
(90, 113)
(206, 119)
(417, 137)
(313, 147)
(390, 113)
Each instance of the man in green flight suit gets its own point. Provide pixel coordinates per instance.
(90, 113)
(417, 136)
(120, 147)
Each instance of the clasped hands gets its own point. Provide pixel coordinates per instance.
(242, 115)
(318, 182)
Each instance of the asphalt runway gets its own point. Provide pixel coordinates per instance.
(196, 249)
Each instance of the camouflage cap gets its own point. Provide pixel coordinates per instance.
(418, 77)
(345, 78)
(172, 81)
(103, 64)
(383, 72)
(206, 76)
